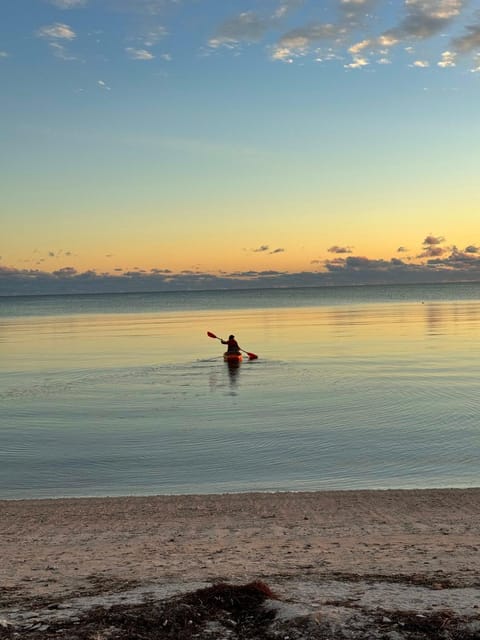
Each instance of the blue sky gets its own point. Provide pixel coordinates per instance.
(186, 143)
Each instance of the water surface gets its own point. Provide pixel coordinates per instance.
(370, 387)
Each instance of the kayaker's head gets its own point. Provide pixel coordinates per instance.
(231, 337)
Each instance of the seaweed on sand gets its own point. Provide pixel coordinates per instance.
(208, 612)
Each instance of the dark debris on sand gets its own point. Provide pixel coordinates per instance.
(238, 612)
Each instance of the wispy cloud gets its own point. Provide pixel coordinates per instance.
(139, 54)
(57, 31)
(103, 85)
(358, 62)
(60, 51)
(421, 64)
(468, 42)
(286, 6)
(3, 54)
(250, 26)
(69, 4)
(338, 249)
(245, 27)
(425, 18)
(298, 42)
(154, 35)
(146, 7)
(476, 64)
(418, 21)
(354, 33)
(57, 35)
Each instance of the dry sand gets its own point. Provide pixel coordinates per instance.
(419, 548)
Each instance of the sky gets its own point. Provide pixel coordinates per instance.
(195, 144)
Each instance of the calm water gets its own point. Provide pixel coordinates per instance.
(364, 387)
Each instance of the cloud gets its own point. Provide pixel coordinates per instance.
(355, 12)
(145, 7)
(245, 27)
(261, 249)
(430, 252)
(358, 63)
(286, 6)
(353, 15)
(468, 42)
(69, 4)
(3, 54)
(139, 54)
(355, 262)
(297, 42)
(358, 47)
(65, 272)
(337, 249)
(456, 260)
(103, 85)
(59, 51)
(402, 250)
(452, 266)
(153, 35)
(432, 240)
(306, 35)
(431, 247)
(476, 63)
(279, 250)
(250, 26)
(424, 19)
(57, 31)
(448, 59)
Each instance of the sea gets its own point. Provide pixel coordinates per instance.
(365, 387)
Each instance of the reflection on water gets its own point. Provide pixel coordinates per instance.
(173, 337)
(364, 395)
(233, 374)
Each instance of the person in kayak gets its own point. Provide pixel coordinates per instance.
(232, 345)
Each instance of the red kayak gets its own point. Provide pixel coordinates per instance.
(232, 358)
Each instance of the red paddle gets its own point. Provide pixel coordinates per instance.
(251, 356)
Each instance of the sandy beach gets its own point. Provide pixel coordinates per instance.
(300, 544)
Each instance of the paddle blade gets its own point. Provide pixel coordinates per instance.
(252, 356)
(212, 335)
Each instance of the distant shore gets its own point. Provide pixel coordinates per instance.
(62, 547)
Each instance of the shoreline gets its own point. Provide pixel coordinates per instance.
(274, 492)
